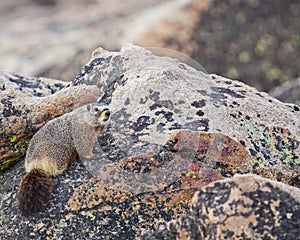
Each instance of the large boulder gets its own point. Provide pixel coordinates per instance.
(173, 130)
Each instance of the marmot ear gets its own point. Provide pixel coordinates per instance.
(88, 107)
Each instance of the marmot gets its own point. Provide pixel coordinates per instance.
(52, 148)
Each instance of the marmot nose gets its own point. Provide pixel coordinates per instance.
(106, 115)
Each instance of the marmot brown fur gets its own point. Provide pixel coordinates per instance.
(53, 148)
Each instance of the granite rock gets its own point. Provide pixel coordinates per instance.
(173, 131)
(241, 207)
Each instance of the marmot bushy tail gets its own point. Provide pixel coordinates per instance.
(35, 192)
(53, 148)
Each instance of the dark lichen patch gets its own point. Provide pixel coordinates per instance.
(111, 84)
(235, 104)
(175, 126)
(296, 108)
(167, 115)
(8, 107)
(143, 100)
(142, 123)
(43, 119)
(89, 68)
(253, 152)
(33, 86)
(203, 92)
(227, 91)
(7, 112)
(127, 102)
(243, 143)
(110, 147)
(198, 104)
(200, 113)
(295, 181)
(279, 147)
(143, 173)
(200, 125)
(154, 96)
(92, 74)
(217, 99)
(160, 127)
(155, 106)
(276, 154)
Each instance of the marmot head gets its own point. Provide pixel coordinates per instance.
(99, 114)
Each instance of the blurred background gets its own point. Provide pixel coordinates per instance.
(254, 41)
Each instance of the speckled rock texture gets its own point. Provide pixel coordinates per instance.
(242, 207)
(173, 131)
(27, 104)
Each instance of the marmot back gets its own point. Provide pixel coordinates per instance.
(53, 148)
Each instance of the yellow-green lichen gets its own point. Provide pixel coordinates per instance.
(182, 202)
(21, 146)
(179, 180)
(261, 165)
(270, 142)
(141, 220)
(8, 163)
(189, 174)
(12, 138)
(92, 217)
(287, 156)
(252, 163)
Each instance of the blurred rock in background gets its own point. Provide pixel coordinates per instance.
(288, 92)
(254, 41)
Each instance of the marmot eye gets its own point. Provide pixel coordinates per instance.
(96, 110)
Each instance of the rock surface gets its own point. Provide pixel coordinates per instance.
(242, 207)
(173, 130)
(27, 104)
